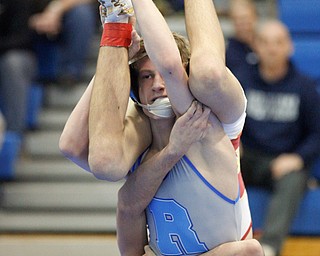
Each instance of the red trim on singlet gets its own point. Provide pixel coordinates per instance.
(247, 232)
(236, 142)
(241, 184)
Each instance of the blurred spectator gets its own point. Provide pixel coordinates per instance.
(239, 53)
(2, 129)
(17, 61)
(177, 5)
(169, 7)
(69, 25)
(281, 136)
(222, 7)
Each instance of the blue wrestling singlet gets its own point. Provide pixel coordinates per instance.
(188, 216)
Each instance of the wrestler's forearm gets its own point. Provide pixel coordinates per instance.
(135, 195)
(74, 140)
(141, 185)
(155, 32)
(163, 52)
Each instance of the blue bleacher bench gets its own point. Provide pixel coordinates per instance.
(35, 101)
(9, 155)
(307, 54)
(301, 17)
(307, 220)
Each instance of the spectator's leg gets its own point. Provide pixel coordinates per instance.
(285, 201)
(18, 69)
(78, 30)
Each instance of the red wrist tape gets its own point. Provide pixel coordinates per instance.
(116, 34)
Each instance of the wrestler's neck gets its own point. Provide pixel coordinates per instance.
(161, 130)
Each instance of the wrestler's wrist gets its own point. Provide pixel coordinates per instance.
(173, 151)
(116, 34)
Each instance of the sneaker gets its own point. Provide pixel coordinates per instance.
(116, 10)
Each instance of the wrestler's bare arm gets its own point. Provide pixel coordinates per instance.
(119, 133)
(74, 140)
(210, 81)
(164, 54)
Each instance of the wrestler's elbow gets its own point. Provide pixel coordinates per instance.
(106, 165)
(170, 65)
(126, 207)
(254, 248)
(208, 79)
(69, 147)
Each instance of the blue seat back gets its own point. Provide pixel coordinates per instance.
(307, 220)
(258, 201)
(35, 100)
(315, 170)
(300, 16)
(307, 55)
(9, 154)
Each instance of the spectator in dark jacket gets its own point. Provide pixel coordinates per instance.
(240, 56)
(281, 136)
(17, 61)
(66, 28)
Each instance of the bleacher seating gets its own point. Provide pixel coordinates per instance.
(307, 220)
(315, 171)
(307, 54)
(302, 19)
(47, 60)
(300, 16)
(35, 101)
(9, 154)
(12, 141)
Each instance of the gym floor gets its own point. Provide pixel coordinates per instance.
(106, 245)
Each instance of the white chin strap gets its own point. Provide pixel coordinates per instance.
(161, 107)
